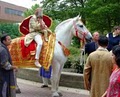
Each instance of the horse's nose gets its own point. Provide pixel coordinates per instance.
(89, 40)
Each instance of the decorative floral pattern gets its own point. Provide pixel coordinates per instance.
(27, 61)
(114, 86)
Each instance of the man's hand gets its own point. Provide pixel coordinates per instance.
(15, 68)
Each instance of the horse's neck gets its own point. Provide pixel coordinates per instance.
(64, 32)
(65, 39)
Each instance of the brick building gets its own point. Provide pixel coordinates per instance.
(11, 13)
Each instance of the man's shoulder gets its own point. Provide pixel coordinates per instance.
(101, 52)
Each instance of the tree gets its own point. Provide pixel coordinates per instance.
(102, 15)
(10, 28)
(63, 9)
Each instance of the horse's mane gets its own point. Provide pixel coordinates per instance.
(62, 24)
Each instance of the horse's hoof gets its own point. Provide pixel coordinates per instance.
(44, 86)
(55, 95)
(60, 94)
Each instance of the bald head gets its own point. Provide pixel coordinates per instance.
(96, 36)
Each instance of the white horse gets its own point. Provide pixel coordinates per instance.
(64, 33)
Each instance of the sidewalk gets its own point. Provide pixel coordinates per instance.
(33, 89)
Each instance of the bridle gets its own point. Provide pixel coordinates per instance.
(76, 33)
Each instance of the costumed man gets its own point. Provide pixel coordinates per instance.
(36, 28)
(98, 69)
(7, 77)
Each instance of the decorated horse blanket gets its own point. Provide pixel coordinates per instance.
(24, 57)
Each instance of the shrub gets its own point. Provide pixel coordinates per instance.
(74, 60)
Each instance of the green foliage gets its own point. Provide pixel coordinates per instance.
(75, 42)
(74, 53)
(102, 15)
(10, 28)
(64, 9)
(54, 24)
(78, 68)
(68, 64)
(74, 60)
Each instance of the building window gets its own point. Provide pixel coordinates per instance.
(13, 12)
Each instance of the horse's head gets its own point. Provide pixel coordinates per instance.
(80, 30)
(72, 27)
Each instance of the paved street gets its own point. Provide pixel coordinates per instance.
(32, 89)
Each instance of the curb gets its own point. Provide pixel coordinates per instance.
(68, 79)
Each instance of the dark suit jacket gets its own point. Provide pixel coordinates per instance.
(90, 47)
(6, 75)
(113, 41)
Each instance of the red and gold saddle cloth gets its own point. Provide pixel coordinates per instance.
(24, 57)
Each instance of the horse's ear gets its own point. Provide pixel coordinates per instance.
(76, 18)
(80, 17)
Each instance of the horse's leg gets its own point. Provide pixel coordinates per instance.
(59, 75)
(55, 77)
(57, 65)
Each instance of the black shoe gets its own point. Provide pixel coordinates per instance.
(18, 91)
(44, 86)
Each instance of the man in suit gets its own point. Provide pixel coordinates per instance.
(98, 69)
(92, 46)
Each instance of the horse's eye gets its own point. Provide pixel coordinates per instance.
(81, 26)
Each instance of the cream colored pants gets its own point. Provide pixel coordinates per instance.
(38, 40)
